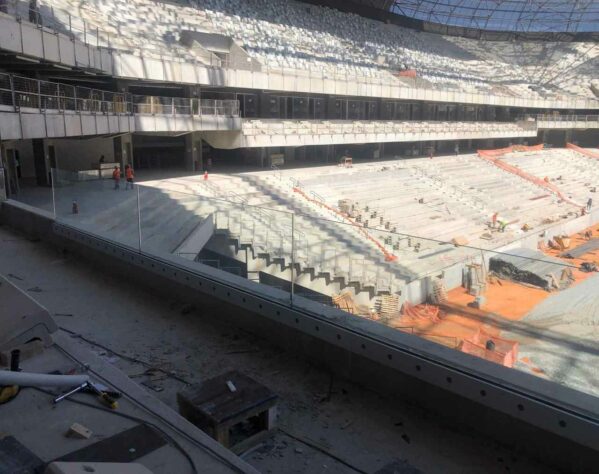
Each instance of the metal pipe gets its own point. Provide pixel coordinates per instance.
(28, 379)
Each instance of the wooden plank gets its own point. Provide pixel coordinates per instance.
(126, 446)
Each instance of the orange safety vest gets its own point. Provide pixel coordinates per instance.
(116, 174)
(129, 173)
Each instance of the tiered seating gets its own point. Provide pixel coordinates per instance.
(575, 175)
(289, 34)
(443, 198)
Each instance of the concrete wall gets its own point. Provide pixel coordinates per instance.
(81, 154)
(26, 38)
(33, 124)
(25, 149)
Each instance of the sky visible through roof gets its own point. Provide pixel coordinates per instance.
(509, 15)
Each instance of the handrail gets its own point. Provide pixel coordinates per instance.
(23, 92)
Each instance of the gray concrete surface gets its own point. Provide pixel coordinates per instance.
(342, 420)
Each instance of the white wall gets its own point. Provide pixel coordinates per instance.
(82, 154)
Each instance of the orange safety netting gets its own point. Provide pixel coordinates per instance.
(407, 73)
(492, 156)
(388, 256)
(504, 352)
(510, 149)
(421, 311)
(582, 151)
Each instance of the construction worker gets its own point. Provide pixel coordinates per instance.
(502, 226)
(589, 204)
(116, 175)
(129, 175)
(205, 175)
(494, 220)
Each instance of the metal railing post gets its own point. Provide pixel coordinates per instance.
(292, 259)
(138, 218)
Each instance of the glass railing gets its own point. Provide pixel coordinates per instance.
(532, 307)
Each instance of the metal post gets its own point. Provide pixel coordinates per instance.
(138, 219)
(292, 258)
(52, 173)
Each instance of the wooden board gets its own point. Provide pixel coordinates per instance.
(126, 446)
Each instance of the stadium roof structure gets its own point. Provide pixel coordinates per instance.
(557, 16)
(560, 16)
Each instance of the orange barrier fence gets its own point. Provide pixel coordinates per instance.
(421, 311)
(509, 149)
(491, 348)
(492, 156)
(407, 73)
(582, 151)
(389, 257)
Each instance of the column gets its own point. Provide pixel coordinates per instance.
(193, 152)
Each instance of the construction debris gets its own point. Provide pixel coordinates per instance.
(581, 250)
(532, 267)
(77, 430)
(588, 267)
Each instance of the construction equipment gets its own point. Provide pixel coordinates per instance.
(108, 398)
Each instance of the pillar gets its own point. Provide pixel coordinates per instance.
(193, 152)
(568, 138)
(123, 150)
(3, 180)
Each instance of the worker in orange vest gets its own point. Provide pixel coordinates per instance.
(129, 175)
(116, 175)
(494, 220)
(205, 175)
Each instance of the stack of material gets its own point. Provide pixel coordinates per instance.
(583, 249)
(532, 267)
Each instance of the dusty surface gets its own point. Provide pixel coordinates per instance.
(327, 417)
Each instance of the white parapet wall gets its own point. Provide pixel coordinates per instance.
(581, 123)
(293, 80)
(28, 39)
(34, 124)
(185, 123)
(281, 133)
(32, 41)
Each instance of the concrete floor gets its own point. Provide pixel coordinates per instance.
(321, 417)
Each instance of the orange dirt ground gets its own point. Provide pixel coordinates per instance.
(509, 300)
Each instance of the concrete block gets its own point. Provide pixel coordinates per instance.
(27, 352)
(22, 318)
(77, 430)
